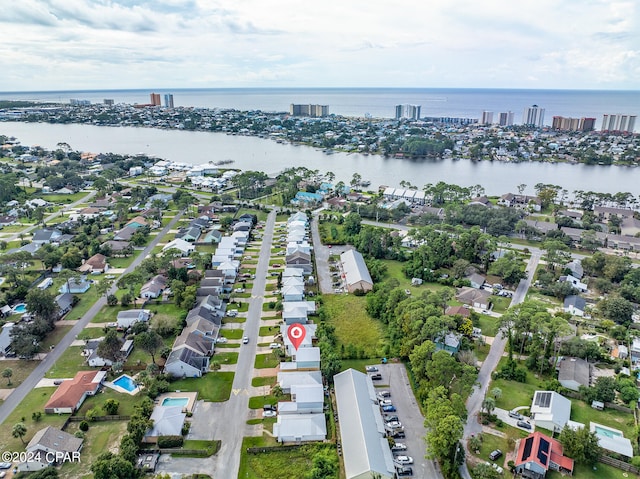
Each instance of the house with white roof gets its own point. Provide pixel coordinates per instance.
(307, 359)
(167, 421)
(290, 378)
(185, 247)
(356, 272)
(550, 410)
(305, 399)
(298, 428)
(292, 293)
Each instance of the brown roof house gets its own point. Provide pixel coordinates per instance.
(478, 298)
(70, 395)
(51, 446)
(95, 265)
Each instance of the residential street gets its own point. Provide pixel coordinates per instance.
(16, 397)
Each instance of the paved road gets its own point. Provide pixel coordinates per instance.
(474, 403)
(52, 216)
(38, 373)
(228, 419)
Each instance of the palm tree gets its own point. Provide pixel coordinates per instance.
(19, 430)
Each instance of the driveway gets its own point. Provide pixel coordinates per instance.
(503, 414)
(395, 376)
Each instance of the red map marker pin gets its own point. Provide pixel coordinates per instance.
(296, 333)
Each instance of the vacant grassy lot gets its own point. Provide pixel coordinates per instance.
(54, 337)
(225, 357)
(68, 364)
(86, 301)
(489, 324)
(514, 393)
(34, 401)
(231, 333)
(123, 262)
(267, 360)
(21, 368)
(127, 402)
(263, 381)
(491, 443)
(278, 464)
(354, 326)
(213, 386)
(101, 437)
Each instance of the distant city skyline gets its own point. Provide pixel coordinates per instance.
(169, 44)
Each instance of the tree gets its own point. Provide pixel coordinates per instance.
(496, 393)
(111, 406)
(109, 347)
(150, 342)
(617, 309)
(42, 304)
(102, 286)
(19, 430)
(24, 344)
(352, 224)
(109, 466)
(485, 471)
(325, 466)
(489, 404)
(581, 445)
(7, 373)
(605, 389)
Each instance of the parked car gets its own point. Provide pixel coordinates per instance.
(386, 402)
(524, 425)
(274, 346)
(221, 340)
(5, 465)
(232, 313)
(495, 454)
(398, 434)
(391, 418)
(384, 394)
(245, 340)
(394, 425)
(516, 415)
(498, 469)
(376, 377)
(389, 408)
(269, 407)
(404, 471)
(371, 369)
(269, 413)
(403, 460)
(398, 446)
(239, 290)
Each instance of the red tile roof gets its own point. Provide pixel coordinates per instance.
(540, 448)
(71, 391)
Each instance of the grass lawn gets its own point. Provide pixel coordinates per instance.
(258, 402)
(515, 394)
(211, 447)
(358, 364)
(264, 381)
(354, 327)
(34, 401)
(91, 333)
(86, 301)
(543, 298)
(21, 369)
(489, 324)
(225, 357)
(214, 386)
(232, 333)
(101, 437)
(500, 303)
(267, 360)
(584, 413)
(54, 337)
(262, 215)
(68, 364)
(269, 330)
(481, 352)
(64, 199)
(121, 262)
(491, 443)
(276, 464)
(127, 402)
(601, 471)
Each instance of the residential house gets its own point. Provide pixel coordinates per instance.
(48, 447)
(356, 273)
(550, 410)
(75, 286)
(576, 269)
(520, 201)
(292, 293)
(201, 344)
(307, 359)
(575, 305)
(186, 363)
(154, 287)
(212, 237)
(301, 260)
(116, 247)
(242, 226)
(65, 303)
(125, 234)
(457, 310)
(184, 247)
(137, 222)
(575, 282)
(167, 421)
(635, 351)
(450, 343)
(287, 380)
(612, 440)
(5, 338)
(476, 280)
(305, 399)
(574, 372)
(128, 318)
(46, 236)
(230, 270)
(296, 314)
(537, 453)
(70, 395)
(190, 234)
(541, 227)
(95, 265)
(366, 452)
(307, 342)
(90, 352)
(478, 298)
(298, 428)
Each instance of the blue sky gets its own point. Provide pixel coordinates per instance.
(99, 44)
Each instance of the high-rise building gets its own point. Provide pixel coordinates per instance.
(573, 124)
(619, 122)
(155, 99)
(109, 101)
(487, 118)
(308, 110)
(168, 100)
(410, 112)
(506, 118)
(533, 116)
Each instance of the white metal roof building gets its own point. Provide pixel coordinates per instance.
(356, 272)
(366, 449)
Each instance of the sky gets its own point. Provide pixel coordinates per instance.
(126, 44)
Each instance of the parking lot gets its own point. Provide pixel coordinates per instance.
(395, 380)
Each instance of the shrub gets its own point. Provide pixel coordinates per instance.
(79, 434)
(170, 441)
(84, 426)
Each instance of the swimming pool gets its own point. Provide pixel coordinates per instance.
(605, 431)
(126, 383)
(175, 402)
(20, 308)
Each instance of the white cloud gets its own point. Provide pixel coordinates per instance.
(67, 44)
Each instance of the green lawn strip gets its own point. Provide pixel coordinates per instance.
(228, 320)
(584, 413)
(267, 360)
(264, 381)
(64, 199)
(225, 357)
(213, 386)
(91, 333)
(258, 402)
(68, 364)
(491, 443)
(86, 301)
(269, 306)
(232, 333)
(21, 368)
(227, 345)
(127, 402)
(34, 401)
(278, 464)
(209, 447)
(481, 352)
(359, 364)
(269, 330)
(599, 471)
(242, 295)
(54, 338)
(489, 324)
(355, 329)
(516, 394)
(122, 262)
(101, 436)
(500, 303)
